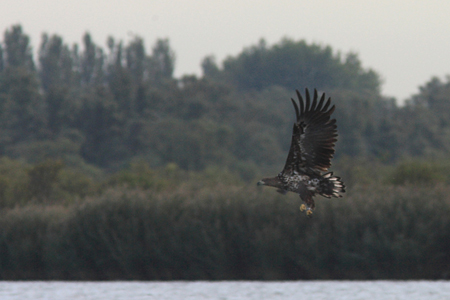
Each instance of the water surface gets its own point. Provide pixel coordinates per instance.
(225, 290)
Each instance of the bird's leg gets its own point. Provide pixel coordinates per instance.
(308, 209)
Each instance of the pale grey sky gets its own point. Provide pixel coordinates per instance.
(405, 41)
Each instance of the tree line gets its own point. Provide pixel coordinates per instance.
(109, 107)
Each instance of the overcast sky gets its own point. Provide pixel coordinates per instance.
(405, 41)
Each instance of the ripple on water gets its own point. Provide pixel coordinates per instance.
(225, 290)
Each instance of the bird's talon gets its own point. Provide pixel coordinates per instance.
(302, 207)
(309, 212)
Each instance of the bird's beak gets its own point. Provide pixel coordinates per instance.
(261, 183)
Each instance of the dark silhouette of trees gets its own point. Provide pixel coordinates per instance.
(110, 107)
(292, 64)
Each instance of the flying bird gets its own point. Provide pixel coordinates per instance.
(312, 147)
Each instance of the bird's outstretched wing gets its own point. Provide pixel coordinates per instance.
(313, 137)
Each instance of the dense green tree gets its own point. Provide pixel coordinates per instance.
(56, 73)
(161, 62)
(2, 59)
(435, 96)
(121, 104)
(292, 64)
(56, 62)
(191, 145)
(23, 114)
(18, 49)
(42, 178)
(209, 67)
(120, 81)
(136, 59)
(102, 126)
(423, 124)
(22, 111)
(91, 62)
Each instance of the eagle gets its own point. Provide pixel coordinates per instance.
(312, 148)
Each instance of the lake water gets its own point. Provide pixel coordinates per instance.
(225, 290)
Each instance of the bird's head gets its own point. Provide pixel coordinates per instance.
(273, 181)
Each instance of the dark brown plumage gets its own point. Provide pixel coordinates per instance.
(312, 148)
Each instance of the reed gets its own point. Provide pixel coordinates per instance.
(228, 232)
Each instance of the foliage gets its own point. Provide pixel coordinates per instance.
(291, 63)
(143, 223)
(109, 107)
(41, 179)
(419, 173)
(47, 182)
(228, 232)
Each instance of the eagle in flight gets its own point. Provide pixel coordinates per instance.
(312, 147)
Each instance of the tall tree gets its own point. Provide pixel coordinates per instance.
(430, 109)
(2, 61)
(23, 114)
(17, 48)
(136, 59)
(102, 127)
(57, 76)
(162, 62)
(22, 109)
(209, 67)
(119, 79)
(55, 62)
(91, 62)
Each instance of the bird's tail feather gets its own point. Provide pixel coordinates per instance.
(331, 186)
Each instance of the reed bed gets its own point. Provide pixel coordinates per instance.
(227, 232)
